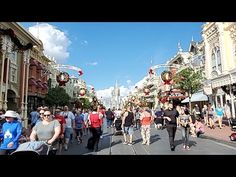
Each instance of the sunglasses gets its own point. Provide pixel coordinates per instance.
(46, 115)
(41, 113)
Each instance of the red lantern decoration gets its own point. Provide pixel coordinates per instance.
(63, 78)
(82, 92)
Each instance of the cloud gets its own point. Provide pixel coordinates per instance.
(84, 43)
(139, 84)
(105, 93)
(92, 63)
(128, 82)
(55, 41)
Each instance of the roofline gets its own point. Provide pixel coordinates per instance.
(27, 33)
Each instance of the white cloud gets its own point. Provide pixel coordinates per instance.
(84, 43)
(55, 41)
(128, 82)
(105, 93)
(92, 63)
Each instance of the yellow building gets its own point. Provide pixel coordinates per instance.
(20, 52)
(220, 66)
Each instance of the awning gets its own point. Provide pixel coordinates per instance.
(45, 86)
(199, 96)
(40, 84)
(32, 82)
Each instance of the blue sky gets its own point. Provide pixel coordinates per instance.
(112, 51)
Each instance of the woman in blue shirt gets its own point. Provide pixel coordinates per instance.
(11, 133)
(219, 114)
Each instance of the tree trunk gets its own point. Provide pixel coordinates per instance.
(190, 107)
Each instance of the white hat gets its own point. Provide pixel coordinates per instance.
(10, 114)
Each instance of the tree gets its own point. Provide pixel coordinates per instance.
(189, 81)
(83, 103)
(57, 97)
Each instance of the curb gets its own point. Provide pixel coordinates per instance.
(230, 143)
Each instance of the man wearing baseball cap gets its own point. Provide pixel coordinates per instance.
(11, 133)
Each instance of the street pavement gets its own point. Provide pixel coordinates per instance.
(112, 145)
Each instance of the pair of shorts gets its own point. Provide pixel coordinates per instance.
(68, 132)
(129, 130)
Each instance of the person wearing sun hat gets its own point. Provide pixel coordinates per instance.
(11, 133)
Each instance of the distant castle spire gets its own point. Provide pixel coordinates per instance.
(179, 47)
(192, 39)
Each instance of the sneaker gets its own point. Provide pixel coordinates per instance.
(130, 144)
(125, 143)
(66, 147)
(187, 147)
(143, 142)
(148, 143)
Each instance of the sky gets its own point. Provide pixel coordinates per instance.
(110, 51)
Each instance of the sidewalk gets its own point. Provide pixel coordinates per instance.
(218, 134)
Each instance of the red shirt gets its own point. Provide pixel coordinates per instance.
(61, 120)
(95, 120)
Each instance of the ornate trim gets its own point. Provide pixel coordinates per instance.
(15, 39)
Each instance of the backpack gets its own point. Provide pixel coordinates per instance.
(233, 137)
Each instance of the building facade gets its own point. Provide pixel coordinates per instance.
(20, 53)
(220, 66)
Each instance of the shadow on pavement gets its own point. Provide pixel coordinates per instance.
(116, 142)
(154, 138)
(191, 143)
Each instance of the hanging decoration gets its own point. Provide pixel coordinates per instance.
(146, 91)
(15, 40)
(166, 76)
(63, 78)
(82, 91)
(151, 71)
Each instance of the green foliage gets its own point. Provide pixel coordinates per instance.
(57, 97)
(85, 103)
(188, 80)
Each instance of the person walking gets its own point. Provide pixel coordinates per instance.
(11, 133)
(95, 123)
(219, 114)
(146, 119)
(47, 130)
(128, 126)
(228, 111)
(170, 114)
(185, 120)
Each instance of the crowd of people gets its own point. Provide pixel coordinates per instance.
(65, 126)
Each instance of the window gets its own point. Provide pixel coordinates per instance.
(216, 60)
(219, 60)
(13, 57)
(13, 76)
(213, 61)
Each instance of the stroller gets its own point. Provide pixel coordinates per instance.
(232, 124)
(233, 128)
(33, 148)
(118, 128)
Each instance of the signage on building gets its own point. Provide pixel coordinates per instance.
(207, 90)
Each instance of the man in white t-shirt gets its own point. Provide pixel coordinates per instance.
(70, 125)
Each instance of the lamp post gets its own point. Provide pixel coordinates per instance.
(27, 55)
(3, 50)
(8, 44)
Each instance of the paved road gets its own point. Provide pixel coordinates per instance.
(112, 145)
